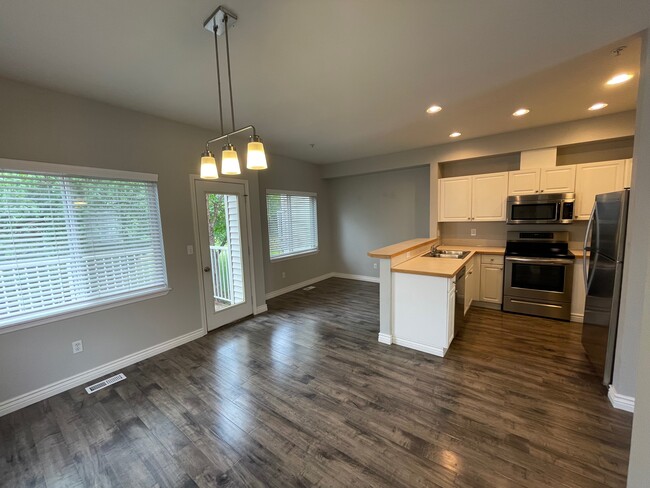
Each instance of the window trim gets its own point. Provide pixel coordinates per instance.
(71, 170)
(299, 254)
(98, 304)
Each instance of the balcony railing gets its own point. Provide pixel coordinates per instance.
(221, 274)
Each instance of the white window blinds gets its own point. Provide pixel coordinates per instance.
(293, 226)
(74, 242)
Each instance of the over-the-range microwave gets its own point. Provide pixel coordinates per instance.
(541, 208)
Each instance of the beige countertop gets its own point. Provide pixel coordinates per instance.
(400, 248)
(444, 267)
(578, 253)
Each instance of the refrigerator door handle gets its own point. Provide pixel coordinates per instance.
(586, 248)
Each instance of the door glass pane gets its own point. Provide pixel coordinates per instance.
(225, 250)
(544, 277)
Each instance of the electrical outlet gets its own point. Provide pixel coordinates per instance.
(472, 232)
(77, 347)
(190, 250)
(374, 265)
(284, 275)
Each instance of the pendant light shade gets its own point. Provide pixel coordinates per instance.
(229, 161)
(256, 157)
(208, 166)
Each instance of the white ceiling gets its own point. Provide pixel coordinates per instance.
(352, 77)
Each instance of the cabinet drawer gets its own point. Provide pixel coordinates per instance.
(491, 259)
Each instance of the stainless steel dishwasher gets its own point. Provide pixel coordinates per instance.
(459, 309)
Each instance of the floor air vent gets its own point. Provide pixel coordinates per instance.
(307, 288)
(105, 383)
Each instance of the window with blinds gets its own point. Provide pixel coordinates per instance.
(293, 225)
(69, 243)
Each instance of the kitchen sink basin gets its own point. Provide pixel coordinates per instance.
(447, 254)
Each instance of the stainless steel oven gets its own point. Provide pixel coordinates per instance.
(541, 208)
(538, 276)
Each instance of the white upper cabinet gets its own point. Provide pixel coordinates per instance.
(555, 179)
(593, 179)
(523, 182)
(455, 199)
(489, 194)
(627, 183)
(559, 179)
(478, 197)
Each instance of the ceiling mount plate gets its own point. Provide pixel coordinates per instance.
(217, 19)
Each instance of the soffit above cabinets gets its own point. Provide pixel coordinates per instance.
(538, 158)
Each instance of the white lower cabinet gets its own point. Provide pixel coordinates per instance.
(423, 308)
(491, 279)
(451, 316)
(472, 281)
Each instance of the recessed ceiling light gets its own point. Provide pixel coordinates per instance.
(622, 78)
(455, 134)
(434, 109)
(521, 111)
(598, 106)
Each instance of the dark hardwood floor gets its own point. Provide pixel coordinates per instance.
(305, 395)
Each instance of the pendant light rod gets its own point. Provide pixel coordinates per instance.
(226, 136)
(232, 106)
(216, 51)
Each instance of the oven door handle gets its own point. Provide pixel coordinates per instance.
(539, 260)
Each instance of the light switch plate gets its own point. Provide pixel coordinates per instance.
(190, 250)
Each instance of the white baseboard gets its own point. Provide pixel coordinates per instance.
(385, 338)
(311, 281)
(622, 402)
(577, 317)
(371, 279)
(261, 309)
(420, 347)
(57, 387)
(297, 286)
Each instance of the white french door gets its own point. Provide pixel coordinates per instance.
(224, 251)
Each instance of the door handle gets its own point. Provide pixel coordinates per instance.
(207, 269)
(585, 248)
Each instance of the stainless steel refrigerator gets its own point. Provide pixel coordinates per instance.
(603, 272)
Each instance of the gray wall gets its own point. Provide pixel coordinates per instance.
(290, 174)
(633, 346)
(41, 125)
(375, 210)
(596, 151)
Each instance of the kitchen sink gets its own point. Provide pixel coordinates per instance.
(447, 254)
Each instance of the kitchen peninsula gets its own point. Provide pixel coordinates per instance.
(419, 296)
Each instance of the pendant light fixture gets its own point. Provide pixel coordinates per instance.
(218, 23)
